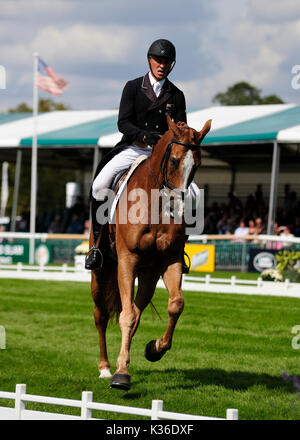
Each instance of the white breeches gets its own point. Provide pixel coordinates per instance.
(123, 160)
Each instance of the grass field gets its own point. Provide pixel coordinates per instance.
(229, 351)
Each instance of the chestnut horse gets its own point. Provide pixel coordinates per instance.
(146, 251)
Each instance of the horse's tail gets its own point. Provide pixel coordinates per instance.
(105, 289)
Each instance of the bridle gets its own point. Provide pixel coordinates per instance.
(164, 167)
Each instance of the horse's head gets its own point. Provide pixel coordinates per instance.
(181, 155)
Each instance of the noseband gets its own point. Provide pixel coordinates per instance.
(164, 166)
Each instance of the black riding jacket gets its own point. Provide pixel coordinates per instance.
(141, 111)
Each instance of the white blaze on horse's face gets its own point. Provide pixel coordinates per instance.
(188, 163)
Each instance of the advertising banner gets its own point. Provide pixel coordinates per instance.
(260, 260)
(14, 252)
(202, 257)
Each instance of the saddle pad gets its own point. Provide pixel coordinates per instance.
(133, 167)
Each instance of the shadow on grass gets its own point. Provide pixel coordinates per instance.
(193, 378)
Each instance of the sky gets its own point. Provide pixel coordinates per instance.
(98, 45)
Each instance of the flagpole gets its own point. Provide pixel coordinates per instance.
(33, 161)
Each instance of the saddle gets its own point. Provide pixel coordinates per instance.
(118, 186)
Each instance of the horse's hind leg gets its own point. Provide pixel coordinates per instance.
(172, 278)
(101, 324)
(146, 287)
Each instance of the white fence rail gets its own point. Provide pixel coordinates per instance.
(51, 273)
(240, 286)
(86, 405)
(196, 284)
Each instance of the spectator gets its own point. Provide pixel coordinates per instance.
(4, 239)
(251, 228)
(285, 232)
(56, 226)
(296, 227)
(222, 224)
(277, 245)
(76, 226)
(23, 223)
(211, 223)
(241, 231)
(260, 228)
(86, 227)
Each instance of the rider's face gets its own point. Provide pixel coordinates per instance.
(160, 67)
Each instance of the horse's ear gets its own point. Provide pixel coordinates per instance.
(204, 131)
(172, 126)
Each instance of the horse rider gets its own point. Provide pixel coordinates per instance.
(142, 120)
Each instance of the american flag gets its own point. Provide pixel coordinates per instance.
(48, 80)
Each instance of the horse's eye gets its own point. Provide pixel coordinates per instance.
(175, 162)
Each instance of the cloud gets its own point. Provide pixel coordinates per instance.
(21, 10)
(274, 10)
(98, 46)
(80, 43)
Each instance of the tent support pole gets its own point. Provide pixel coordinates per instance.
(232, 183)
(16, 191)
(97, 157)
(273, 188)
(33, 194)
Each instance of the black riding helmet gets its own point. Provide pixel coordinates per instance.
(163, 48)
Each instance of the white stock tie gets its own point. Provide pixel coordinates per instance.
(157, 89)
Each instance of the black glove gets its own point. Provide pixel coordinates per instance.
(150, 138)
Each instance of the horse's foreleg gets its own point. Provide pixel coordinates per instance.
(127, 319)
(172, 279)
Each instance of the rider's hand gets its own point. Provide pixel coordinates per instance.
(150, 138)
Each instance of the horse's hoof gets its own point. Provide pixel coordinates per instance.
(120, 381)
(151, 354)
(105, 373)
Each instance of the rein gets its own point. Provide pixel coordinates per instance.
(164, 165)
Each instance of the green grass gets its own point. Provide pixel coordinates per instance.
(228, 352)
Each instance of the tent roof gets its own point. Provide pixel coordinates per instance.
(69, 127)
(230, 125)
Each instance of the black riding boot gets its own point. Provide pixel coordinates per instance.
(94, 258)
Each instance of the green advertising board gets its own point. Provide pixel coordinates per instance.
(18, 252)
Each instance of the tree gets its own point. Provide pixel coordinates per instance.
(45, 105)
(21, 108)
(243, 93)
(48, 105)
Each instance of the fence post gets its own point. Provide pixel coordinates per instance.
(233, 280)
(207, 279)
(2, 338)
(157, 405)
(19, 403)
(259, 282)
(87, 397)
(243, 268)
(286, 284)
(232, 414)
